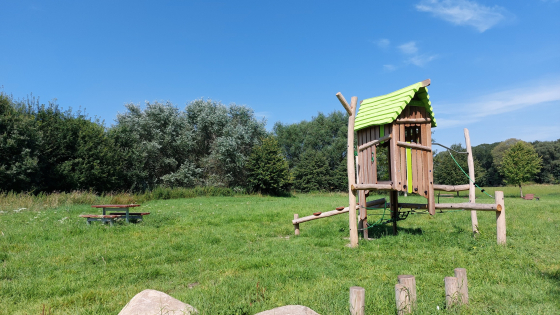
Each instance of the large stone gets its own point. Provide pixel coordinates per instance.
(151, 302)
(290, 310)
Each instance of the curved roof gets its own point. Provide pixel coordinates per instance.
(386, 108)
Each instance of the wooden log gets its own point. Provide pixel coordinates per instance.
(296, 225)
(372, 187)
(413, 120)
(374, 142)
(409, 282)
(357, 301)
(451, 293)
(344, 103)
(462, 285)
(472, 191)
(452, 187)
(353, 224)
(500, 218)
(402, 299)
(470, 206)
(414, 146)
(372, 203)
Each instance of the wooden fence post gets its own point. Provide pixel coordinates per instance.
(462, 285)
(472, 191)
(500, 218)
(296, 226)
(353, 224)
(451, 291)
(409, 282)
(357, 301)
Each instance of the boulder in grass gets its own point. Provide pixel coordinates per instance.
(150, 302)
(290, 310)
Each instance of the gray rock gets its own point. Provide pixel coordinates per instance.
(290, 310)
(152, 302)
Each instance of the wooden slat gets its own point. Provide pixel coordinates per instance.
(425, 177)
(397, 156)
(393, 153)
(403, 156)
(367, 157)
(115, 206)
(431, 197)
(374, 134)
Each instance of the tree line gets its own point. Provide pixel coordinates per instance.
(44, 149)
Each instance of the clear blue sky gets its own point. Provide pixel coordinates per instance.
(494, 65)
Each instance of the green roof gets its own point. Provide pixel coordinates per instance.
(386, 108)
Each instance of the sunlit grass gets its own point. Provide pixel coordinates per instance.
(238, 255)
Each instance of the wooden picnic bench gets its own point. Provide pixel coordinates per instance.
(111, 217)
(529, 197)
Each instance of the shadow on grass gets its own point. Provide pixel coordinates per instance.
(387, 230)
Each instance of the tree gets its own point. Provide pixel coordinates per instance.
(491, 176)
(520, 163)
(20, 141)
(549, 151)
(446, 171)
(312, 173)
(268, 170)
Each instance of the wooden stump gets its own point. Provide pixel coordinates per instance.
(357, 301)
(451, 293)
(402, 299)
(462, 285)
(409, 282)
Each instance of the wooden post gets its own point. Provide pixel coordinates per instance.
(409, 282)
(500, 218)
(357, 301)
(353, 225)
(450, 291)
(462, 285)
(296, 226)
(472, 191)
(394, 200)
(402, 299)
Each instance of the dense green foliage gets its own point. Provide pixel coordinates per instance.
(520, 163)
(208, 144)
(316, 151)
(268, 169)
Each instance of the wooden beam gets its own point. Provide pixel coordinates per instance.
(426, 82)
(413, 120)
(372, 186)
(452, 187)
(414, 146)
(344, 103)
(297, 221)
(372, 143)
(470, 206)
(413, 205)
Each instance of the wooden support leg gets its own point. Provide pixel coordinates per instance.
(394, 197)
(363, 213)
(296, 226)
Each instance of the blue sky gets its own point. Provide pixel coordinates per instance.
(494, 65)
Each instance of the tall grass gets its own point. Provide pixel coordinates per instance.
(26, 201)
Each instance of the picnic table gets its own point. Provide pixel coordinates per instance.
(111, 217)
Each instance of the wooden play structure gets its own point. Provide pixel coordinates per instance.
(399, 123)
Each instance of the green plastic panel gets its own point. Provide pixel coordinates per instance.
(385, 109)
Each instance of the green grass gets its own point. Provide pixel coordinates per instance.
(238, 255)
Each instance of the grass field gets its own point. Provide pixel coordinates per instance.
(238, 255)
